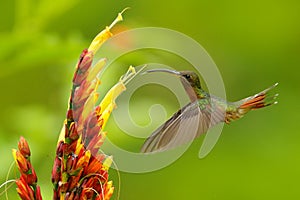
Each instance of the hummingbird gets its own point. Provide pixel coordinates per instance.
(202, 112)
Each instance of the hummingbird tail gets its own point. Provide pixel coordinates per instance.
(257, 101)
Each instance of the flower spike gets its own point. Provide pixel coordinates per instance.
(27, 187)
(80, 169)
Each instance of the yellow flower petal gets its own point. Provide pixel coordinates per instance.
(111, 95)
(104, 35)
(61, 136)
(84, 160)
(106, 113)
(107, 163)
(96, 69)
(14, 153)
(79, 146)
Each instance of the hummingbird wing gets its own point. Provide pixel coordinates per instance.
(184, 126)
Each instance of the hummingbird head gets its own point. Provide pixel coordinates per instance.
(190, 77)
(186, 77)
(189, 80)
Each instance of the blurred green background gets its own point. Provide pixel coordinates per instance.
(254, 44)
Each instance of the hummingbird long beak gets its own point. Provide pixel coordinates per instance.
(163, 70)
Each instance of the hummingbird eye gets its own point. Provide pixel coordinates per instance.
(187, 76)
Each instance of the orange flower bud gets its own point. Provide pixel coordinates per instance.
(82, 68)
(25, 192)
(70, 114)
(109, 190)
(24, 147)
(93, 167)
(86, 62)
(21, 161)
(83, 160)
(56, 171)
(60, 149)
(71, 161)
(31, 179)
(21, 189)
(73, 134)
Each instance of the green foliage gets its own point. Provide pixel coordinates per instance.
(254, 44)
